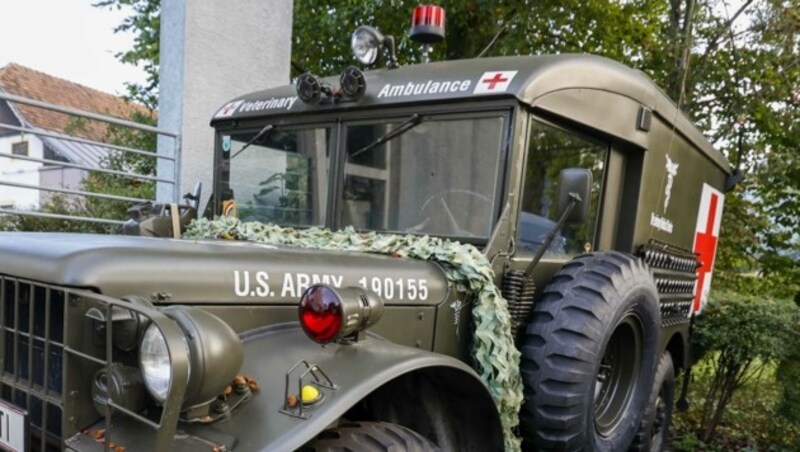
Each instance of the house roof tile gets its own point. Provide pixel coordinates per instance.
(22, 81)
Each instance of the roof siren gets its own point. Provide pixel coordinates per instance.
(427, 28)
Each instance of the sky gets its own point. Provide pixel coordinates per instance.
(70, 39)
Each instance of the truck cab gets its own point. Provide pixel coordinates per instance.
(589, 203)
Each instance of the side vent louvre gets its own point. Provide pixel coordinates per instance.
(644, 119)
(674, 271)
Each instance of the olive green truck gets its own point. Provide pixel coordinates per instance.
(594, 200)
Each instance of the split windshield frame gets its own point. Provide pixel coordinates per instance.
(340, 121)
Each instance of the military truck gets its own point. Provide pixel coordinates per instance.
(596, 203)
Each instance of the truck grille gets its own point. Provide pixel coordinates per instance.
(54, 343)
(32, 360)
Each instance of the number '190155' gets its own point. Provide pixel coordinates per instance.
(411, 289)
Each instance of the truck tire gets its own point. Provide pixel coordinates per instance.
(370, 437)
(654, 429)
(589, 355)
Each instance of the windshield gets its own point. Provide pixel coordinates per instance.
(280, 178)
(439, 177)
(419, 174)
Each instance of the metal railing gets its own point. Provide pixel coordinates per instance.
(106, 149)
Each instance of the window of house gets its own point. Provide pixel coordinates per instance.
(20, 148)
(550, 151)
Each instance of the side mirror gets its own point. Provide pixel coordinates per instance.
(574, 183)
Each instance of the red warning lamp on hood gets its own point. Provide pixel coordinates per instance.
(329, 314)
(427, 24)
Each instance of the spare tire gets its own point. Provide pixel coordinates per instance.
(589, 355)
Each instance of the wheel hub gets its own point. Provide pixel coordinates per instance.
(616, 377)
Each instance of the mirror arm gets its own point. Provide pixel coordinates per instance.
(574, 199)
(389, 44)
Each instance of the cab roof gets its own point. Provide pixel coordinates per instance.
(523, 77)
(526, 78)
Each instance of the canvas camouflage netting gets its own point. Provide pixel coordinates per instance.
(496, 359)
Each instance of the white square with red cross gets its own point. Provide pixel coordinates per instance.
(494, 82)
(229, 109)
(706, 236)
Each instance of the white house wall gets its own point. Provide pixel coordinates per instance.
(20, 171)
(54, 176)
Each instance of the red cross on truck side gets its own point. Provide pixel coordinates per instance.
(705, 245)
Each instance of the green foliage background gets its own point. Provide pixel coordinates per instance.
(751, 347)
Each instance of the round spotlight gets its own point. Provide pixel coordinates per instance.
(352, 83)
(366, 43)
(309, 90)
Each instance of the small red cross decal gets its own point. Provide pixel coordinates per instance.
(498, 78)
(228, 109)
(705, 244)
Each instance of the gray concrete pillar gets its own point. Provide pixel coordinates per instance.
(211, 52)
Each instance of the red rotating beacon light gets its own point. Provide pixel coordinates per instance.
(427, 27)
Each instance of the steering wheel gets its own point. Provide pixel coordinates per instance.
(439, 199)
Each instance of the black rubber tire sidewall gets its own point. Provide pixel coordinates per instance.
(572, 324)
(370, 437)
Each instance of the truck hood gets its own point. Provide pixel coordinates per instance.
(211, 271)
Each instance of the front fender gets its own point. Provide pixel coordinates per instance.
(358, 370)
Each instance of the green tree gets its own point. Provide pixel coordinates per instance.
(614, 29)
(145, 23)
(113, 184)
(742, 336)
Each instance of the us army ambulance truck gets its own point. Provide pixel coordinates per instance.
(591, 202)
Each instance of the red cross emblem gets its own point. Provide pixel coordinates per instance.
(705, 242)
(494, 81)
(229, 109)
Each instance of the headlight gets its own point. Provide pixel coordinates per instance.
(366, 42)
(214, 351)
(155, 363)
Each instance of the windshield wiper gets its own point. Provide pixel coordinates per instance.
(261, 133)
(404, 127)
